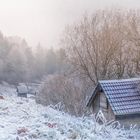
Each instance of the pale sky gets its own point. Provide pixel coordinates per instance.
(44, 20)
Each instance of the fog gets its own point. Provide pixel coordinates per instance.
(44, 20)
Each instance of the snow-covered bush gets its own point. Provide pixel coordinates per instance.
(68, 91)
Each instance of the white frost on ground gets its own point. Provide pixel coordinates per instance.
(23, 119)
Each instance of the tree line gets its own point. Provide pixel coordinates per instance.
(21, 63)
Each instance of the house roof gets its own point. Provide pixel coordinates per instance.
(123, 95)
(22, 89)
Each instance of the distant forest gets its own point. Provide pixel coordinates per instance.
(21, 63)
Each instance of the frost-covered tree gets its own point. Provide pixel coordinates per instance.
(100, 46)
(16, 65)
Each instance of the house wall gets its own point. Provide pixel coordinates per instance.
(106, 108)
(96, 104)
(101, 103)
(110, 114)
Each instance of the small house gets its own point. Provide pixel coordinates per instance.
(22, 91)
(118, 100)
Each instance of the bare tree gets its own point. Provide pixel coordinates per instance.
(133, 37)
(98, 46)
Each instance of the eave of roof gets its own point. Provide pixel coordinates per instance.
(96, 89)
(118, 80)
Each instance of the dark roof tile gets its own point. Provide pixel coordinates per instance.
(123, 95)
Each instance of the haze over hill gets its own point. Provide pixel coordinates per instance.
(44, 20)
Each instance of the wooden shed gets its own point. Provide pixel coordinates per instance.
(22, 91)
(118, 100)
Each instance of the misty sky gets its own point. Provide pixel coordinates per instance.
(44, 20)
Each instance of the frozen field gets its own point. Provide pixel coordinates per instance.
(23, 119)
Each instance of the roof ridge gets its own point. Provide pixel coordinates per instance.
(119, 80)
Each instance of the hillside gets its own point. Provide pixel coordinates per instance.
(23, 119)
